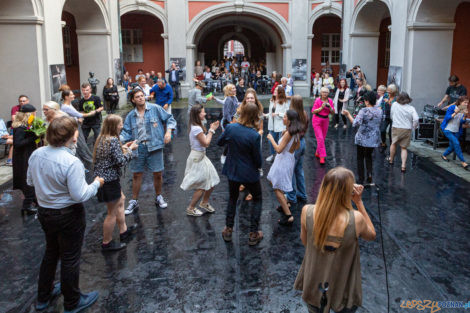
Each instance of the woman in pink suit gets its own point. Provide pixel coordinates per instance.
(322, 108)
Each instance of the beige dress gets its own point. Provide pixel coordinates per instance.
(340, 268)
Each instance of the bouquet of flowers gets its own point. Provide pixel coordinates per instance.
(36, 126)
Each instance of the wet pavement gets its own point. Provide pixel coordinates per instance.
(178, 263)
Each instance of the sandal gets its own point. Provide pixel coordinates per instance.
(388, 160)
(403, 169)
(286, 220)
(248, 197)
(444, 158)
(465, 167)
(280, 210)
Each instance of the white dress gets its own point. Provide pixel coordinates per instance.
(200, 173)
(280, 174)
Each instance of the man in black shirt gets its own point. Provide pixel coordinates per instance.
(453, 92)
(87, 104)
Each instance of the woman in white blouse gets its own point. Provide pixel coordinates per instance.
(278, 107)
(404, 120)
(341, 100)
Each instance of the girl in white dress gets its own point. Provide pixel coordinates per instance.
(200, 175)
(280, 174)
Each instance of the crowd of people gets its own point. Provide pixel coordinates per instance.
(58, 172)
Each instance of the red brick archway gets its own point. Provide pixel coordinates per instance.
(325, 25)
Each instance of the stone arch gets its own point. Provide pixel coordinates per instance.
(324, 9)
(246, 8)
(128, 6)
(432, 11)
(97, 22)
(235, 36)
(362, 19)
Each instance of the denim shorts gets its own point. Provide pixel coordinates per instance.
(153, 160)
(3, 141)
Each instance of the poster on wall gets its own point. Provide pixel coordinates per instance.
(299, 69)
(57, 79)
(181, 64)
(118, 72)
(394, 76)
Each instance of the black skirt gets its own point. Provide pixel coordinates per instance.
(110, 192)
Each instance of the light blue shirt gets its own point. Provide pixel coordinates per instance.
(58, 178)
(3, 128)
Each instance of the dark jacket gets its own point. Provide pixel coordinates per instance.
(240, 93)
(177, 74)
(23, 146)
(244, 153)
(111, 94)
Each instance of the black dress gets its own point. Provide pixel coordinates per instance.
(23, 146)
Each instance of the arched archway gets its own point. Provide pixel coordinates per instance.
(142, 42)
(326, 43)
(89, 20)
(264, 28)
(21, 52)
(438, 32)
(244, 40)
(371, 39)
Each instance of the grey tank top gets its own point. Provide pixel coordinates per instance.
(341, 268)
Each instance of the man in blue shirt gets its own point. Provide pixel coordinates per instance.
(147, 124)
(163, 95)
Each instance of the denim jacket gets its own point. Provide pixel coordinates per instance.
(155, 118)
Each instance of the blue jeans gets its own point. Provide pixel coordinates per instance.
(298, 179)
(153, 161)
(454, 144)
(276, 136)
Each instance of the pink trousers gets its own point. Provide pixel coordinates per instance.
(320, 127)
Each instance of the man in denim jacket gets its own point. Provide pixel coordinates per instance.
(147, 124)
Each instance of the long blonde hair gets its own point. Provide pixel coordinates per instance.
(228, 90)
(333, 198)
(108, 131)
(21, 119)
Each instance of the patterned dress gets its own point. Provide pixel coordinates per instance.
(368, 120)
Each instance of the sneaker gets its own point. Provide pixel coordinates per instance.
(132, 207)
(161, 202)
(260, 172)
(345, 126)
(270, 158)
(209, 208)
(255, 238)
(193, 212)
(227, 234)
(336, 125)
(128, 233)
(222, 159)
(9, 162)
(86, 300)
(55, 292)
(112, 246)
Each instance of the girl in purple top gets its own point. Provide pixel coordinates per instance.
(322, 107)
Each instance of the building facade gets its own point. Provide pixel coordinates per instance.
(417, 43)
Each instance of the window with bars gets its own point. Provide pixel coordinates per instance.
(67, 46)
(330, 51)
(132, 45)
(386, 61)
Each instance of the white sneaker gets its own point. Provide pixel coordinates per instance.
(161, 202)
(193, 212)
(133, 206)
(270, 158)
(222, 159)
(209, 208)
(260, 172)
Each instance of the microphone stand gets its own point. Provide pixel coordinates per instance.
(324, 298)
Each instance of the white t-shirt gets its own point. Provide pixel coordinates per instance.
(195, 144)
(404, 116)
(207, 75)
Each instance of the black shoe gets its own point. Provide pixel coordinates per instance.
(128, 233)
(31, 210)
(112, 246)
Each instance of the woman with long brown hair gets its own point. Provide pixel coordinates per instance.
(111, 96)
(109, 156)
(298, 178)
(329, 231)
(199, 175)
(241, 168)
(278, 107)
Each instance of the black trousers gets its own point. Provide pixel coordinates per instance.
(29, 196)
(338, 113)
(383, 130)
(64, 238)
(234, 190)
(175, 86)
(86, 132)
(364, 154)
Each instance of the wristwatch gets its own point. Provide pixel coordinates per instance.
(212, 131)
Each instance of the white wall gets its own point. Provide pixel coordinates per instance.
(365, 53)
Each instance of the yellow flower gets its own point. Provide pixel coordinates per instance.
(30, 119)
